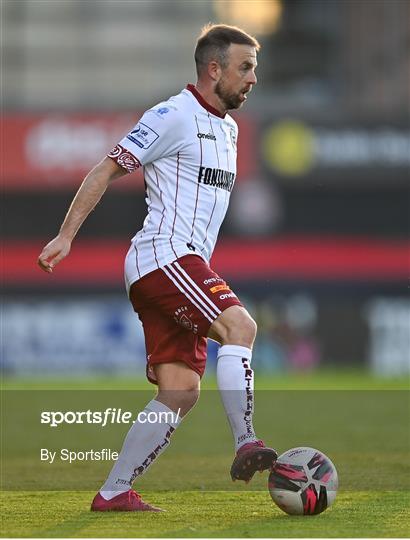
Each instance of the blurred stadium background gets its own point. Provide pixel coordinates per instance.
(316, 238)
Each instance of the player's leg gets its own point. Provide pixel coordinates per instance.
(235, 330)
(207, 306)
(178, 390)
(178, 386)
(234, 326)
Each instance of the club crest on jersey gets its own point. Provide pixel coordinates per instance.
(143, 136)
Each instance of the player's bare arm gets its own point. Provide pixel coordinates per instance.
(85, 200)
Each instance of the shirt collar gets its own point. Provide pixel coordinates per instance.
(202, 102)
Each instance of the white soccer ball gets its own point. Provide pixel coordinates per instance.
(303, 482)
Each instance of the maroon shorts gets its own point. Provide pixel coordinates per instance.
(176, 305)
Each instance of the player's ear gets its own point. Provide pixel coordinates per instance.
(214, 70)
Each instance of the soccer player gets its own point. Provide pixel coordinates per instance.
(187, 148)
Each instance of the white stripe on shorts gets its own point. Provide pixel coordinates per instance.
(179, 286)
(187, 287)
(213, 307)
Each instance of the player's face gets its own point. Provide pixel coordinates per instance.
(238, 77)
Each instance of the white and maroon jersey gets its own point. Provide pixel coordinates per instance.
(188, 151)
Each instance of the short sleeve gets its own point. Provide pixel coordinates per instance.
(156, 135)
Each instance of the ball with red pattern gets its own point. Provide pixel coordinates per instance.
(303, 481)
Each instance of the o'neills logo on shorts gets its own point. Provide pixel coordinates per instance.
(228, 295)
(216, 178)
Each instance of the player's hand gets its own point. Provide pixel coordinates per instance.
(53, 253)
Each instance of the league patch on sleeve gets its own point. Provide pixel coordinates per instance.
(124, 158)
(143, 136)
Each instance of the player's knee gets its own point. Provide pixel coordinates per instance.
(244, 332)
(235, 327)
(181, 400)
(188, 399)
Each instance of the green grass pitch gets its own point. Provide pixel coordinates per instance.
(361, 422)
(212, 514)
